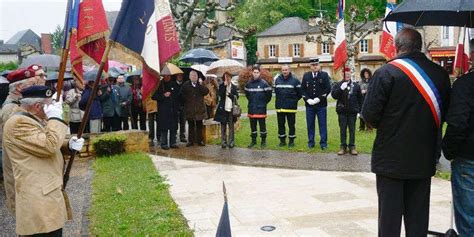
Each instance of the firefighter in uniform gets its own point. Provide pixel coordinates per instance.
(315, 87)
(288, 93)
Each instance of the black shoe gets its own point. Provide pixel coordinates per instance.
(310, 146)
(189, 144)
(165, 147)
(252, 144)
(223, 145)
(201, 144)
(183, 139)
(323, 148)
(291, 144)
(282, 144)
(231, 145)
(174, 146)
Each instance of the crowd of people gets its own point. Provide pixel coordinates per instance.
(407, 101)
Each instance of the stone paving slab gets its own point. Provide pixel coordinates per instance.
(296, 202)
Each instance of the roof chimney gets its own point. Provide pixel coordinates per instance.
(46, 45)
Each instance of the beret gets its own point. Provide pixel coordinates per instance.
(23, 73)
(37, 92)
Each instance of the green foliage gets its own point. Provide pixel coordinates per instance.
(57, 38)
(8, 66)
(130, 198)
(109, 144)
(251, 46)
(443, 175)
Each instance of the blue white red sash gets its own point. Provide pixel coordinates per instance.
(423, 84)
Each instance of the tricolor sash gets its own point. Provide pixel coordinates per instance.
(423, 84)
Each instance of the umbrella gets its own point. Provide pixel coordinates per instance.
(439, 12)
(170, 69)
(53, 76)
(116, 64)
(90, 75)
(186, 71)
(225, 65)
(115, 72)
(200, 67)
(199, 55)
(45, 60)
(129, 76)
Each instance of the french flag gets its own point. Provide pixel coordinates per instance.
(340, 55)
(463, 52)
(390, 29)
(146, 29)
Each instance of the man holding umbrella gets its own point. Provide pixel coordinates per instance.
(406, 101)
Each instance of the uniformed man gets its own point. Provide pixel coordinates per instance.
(18, 80)
(32, 140)
(406, 102)
(316, 86)
(288, 93)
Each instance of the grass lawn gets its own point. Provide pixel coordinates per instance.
(130, 198)
(364, 140)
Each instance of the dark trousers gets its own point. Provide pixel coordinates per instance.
(253, 127)
(164, 137)
(347, 121)
(124, 123)
(74, 127)
(56, 233)
(228, 119)
(152, 129)
(108, 124)
(182, 123)
(138, 117)
(282, 118)
(311, 114)
(195, 131)
(409, 198)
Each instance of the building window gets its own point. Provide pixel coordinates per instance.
(326, 48)
(364, 46)
(446, 32)
(296, 50)
(272, 50)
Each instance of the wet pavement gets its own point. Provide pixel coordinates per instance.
(79, 191)
(275, 159)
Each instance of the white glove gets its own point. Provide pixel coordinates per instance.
(76, 143)
(311, 102)
(316, 100)
(358, 115)
(54, 110)
(344, 85)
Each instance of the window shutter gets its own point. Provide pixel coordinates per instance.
(301, 50)
(290, 50)
(319, 45)
(265, 51)
(331, 49)
(277, 50)
(370, 45)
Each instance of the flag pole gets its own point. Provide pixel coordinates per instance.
(85, 118)
(65, 53)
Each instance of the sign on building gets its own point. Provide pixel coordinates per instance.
(237, 50)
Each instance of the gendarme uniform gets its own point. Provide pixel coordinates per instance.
(288, 93)
(33, 146)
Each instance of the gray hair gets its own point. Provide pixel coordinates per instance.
(12, 86)
(408, 40)
(286, 65)
(32, 101)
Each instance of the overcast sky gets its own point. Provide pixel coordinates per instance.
(41, 16)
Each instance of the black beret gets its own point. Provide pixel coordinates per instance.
(37, 92)
(313, 60)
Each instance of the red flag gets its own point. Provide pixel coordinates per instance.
(92, 30)
(76, 58)
(390, 28)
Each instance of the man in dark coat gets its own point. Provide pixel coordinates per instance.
(167, 97)
(192, 94)
(408, 133)
(457, 147)
(124, 95)
(315, 87)
(258, 93)
(181, 113)
(349, 101)
(287, 93)
(109, 101)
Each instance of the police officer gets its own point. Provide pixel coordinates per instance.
(287, 92)
(32, 140)
(315, 87)
(258, 93)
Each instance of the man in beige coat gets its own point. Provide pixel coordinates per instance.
(19, 80)
(32, 139)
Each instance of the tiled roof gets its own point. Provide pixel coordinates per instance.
(289, 26)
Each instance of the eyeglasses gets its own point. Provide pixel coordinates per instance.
(41, 75)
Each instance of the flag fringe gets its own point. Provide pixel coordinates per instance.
(92, 38)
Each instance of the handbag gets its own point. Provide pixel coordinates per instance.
(236, 110)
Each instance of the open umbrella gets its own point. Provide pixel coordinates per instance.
(199, 55)
(186, 71)
(53, 77)
(170, 69)
(117, 64)
(47, 61)
(130, 75)
(115, 72)
(434, 12)
(225, 65)
(200, 67)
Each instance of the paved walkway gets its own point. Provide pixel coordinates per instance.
(296, 202)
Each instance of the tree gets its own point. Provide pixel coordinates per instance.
(57, 38)
(192, 14)
(360, 27)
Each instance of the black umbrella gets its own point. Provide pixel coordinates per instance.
(199, 55)
(53, 77)
(434, 12)
(186, 71)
